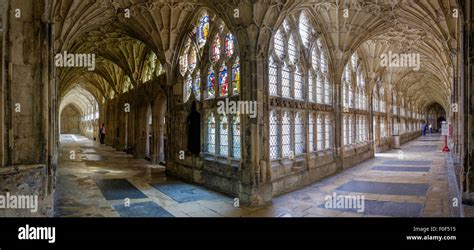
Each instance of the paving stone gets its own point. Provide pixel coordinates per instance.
(142, 209)
(118, 189)
(401, 169)
(385, 208)
(384, 188)
(402, 162)
(182, 192)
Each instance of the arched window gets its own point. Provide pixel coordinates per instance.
(286, 134)
(188, 61)
(383, 103)
(354, 96)
(327, 132)
(320, 129)
(274, 147)
(299, 136)
(319, 71)
(296, 78)
(211, 134)
(345, 130)
(223, 74)
(347, 87)
(290, 41)
(236, 137)
(394, 103)
(224, 136)
(210, 75)
(311, 132)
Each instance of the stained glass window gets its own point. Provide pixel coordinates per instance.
(236, 137)
(286, 135)
(183, 59)
(188, 60)
(202, 31)
(224, 136)
(211, 134)
(236, 77)
(273, 135)
(192, 59)
(211, 83)
(299, 138)
(229, 44)
(223, 75)
(216, 49)
(223, 80)
(187, 87)
(197, 86)
(225, 66)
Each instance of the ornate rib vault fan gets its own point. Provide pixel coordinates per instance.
(426, 27)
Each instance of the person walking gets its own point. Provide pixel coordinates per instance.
(102, 133)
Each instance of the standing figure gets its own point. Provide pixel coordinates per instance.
(102, 133)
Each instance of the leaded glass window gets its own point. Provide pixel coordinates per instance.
(311, 132)
(274, 135)
(236, 137)
(327, 132)
(286, 135)
(320, 131)
(299, 137)
(211, 134)
(224, 136)
(188, 61)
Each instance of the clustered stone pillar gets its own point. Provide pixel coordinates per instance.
(28, 156)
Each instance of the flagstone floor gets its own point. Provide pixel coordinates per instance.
(102, 182)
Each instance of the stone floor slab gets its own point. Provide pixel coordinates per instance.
(118, 189)
(384, 188)
(142, 209)
(182, 192)
(404, 163)
(385, 208)
(401, 169)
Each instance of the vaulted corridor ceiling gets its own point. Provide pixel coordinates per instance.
(122, 33)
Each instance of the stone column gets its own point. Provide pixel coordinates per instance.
(28, 105)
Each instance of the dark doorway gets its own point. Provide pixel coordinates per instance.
(441, 119)
(194, 131)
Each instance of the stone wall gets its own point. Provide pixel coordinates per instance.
(27, 180)
(70, 120)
